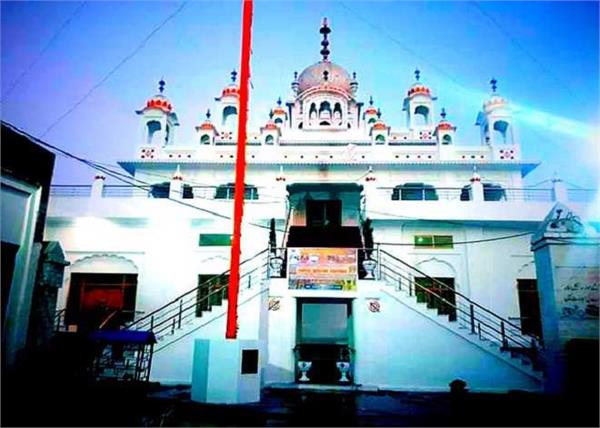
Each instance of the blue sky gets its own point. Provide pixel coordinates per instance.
(544, 55)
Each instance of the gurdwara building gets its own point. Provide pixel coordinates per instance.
(391, 258)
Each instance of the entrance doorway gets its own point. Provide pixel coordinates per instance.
(327, 213)
(324, 336)
(443, 287)
(101, 300)
(529, 307)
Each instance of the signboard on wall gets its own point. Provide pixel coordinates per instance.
(578, 292)
(322, 268)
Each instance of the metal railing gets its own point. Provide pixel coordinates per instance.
(582, 195)
(425, 193)
(71, 190)
(189, 305)
(501, 194)
(471, 315)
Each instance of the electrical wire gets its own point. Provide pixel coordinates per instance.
(48, 45)
(114, 69)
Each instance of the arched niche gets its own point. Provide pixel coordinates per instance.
(104, 263)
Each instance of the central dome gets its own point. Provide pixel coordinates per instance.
(314, 76)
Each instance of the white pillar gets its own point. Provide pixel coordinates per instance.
(476, 192)
(176, 185)
(97, 186)
(559, 189)
(370, 189)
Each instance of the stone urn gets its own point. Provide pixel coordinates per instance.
(344, 368)
(369, 265)
(304, 367)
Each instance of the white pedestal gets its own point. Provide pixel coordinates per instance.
(226, 371)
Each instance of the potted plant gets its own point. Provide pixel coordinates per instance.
(369, 264)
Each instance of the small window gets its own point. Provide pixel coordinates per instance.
(372, 120)
(214, 240)
(278, 121)
(434, 241)
(249, 361)
(160, 190)
(269, 139)
(493, 192)
(227, 191)
(380, 139)
(205, 139)
(414, 192)
(446, 139)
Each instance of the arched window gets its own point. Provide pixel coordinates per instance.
(167, 132)
(300, 125)
(337, 113)
(230, 117)
(501, 131)
(446, 139)
(380, 138)
(414, 192)
(269, 139)
(278, 121)
(325, 110)
(421, 116)
(372, 120)
(153, 126)
(324, 123)
(205, 139)
(312, 113)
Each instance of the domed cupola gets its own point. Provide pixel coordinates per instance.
(370, 114)
(325, 75)
(379, 131)
(228, 105)
(279, 113)
(495, 119)
(270, 131)
(158, 118)
(206, 131)
(418, 104)
(444, 131)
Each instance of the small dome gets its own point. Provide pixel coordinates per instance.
(379, 125)
(418, 89)
(271, 125)
(324, 74)
(231, 90)
(495, 101)
(160, 102)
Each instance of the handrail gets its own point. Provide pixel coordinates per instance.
(178, 298)
(451, 289)
(462, 311)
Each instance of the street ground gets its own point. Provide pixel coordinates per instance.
(116, 405)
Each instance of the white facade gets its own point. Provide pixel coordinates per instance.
(325, 137)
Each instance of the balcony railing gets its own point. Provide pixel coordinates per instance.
(127, 191)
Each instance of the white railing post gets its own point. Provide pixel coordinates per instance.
(97, 186)
(559, 190)
(476, 190)
(176, 185)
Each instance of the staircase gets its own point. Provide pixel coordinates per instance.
(202, 304)
(463, 316)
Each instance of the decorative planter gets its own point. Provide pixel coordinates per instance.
(369, 265)
(344, 368)
(304, 367)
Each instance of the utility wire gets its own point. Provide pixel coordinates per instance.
(114, 69)
(52, 40)
(522, 48)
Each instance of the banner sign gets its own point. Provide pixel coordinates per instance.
(322, 268)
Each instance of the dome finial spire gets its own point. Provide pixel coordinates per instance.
(417, 74)
(325, 30)
(234, 75)
(494, 82)
(370, 100)
(443, 113)
(161, 85)
(208, 114)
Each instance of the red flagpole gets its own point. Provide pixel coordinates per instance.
(240, 172)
